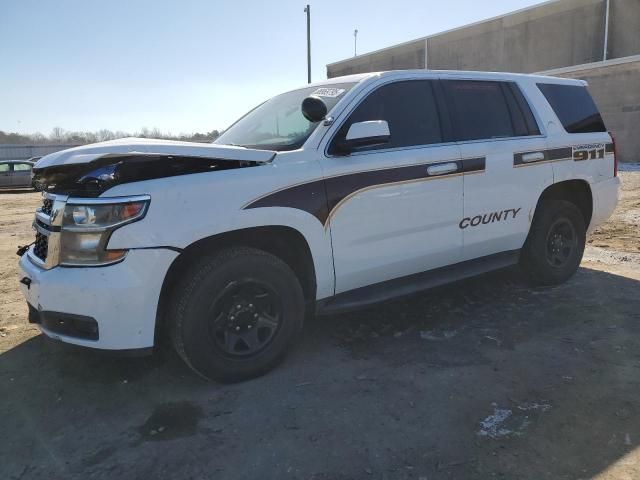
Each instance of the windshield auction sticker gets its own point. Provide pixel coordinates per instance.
(328, 92)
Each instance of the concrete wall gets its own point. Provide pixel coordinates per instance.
(551, 35)
(616, 91)
(570, 32)
(624, 28)
(401, 57)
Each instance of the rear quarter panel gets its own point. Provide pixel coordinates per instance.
(592, 170)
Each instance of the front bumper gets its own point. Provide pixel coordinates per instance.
(121, 298)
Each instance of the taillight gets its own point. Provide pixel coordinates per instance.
(615, 155)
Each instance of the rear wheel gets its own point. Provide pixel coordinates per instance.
(553, 250)
(236, 313)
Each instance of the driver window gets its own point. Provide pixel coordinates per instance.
(410, 109)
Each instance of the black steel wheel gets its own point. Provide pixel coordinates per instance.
(234, 314)
(553, 250)
(561, 243)
(245, 317)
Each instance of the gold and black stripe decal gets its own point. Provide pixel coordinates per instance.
(549, 155)
(576, 153)
(310, 197)
(322, 198)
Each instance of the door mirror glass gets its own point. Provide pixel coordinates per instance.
(366, 134)
(314, 109)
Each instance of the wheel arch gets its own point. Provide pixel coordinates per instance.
(285, 242)
(575, 191)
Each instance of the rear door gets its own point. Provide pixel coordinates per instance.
(394, 208)
(493, 120)
(21, 174)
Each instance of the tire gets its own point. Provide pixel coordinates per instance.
(553, 250)
(234, 314)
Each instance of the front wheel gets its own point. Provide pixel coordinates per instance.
(236, 313)
(553, 250)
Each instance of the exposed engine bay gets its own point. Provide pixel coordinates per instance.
(94, 178)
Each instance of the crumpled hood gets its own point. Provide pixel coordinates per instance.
(91, 170)
(147, 146)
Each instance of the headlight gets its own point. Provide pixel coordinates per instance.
(88, 224)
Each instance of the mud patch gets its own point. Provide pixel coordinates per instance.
(504, 422)
(171, 420)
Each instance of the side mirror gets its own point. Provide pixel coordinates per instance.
(366, 134)
(314, 109)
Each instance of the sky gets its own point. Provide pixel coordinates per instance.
(188, 66)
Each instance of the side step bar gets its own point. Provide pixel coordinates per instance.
(399, 287)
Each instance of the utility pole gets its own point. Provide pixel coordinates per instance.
(308, 12)
(355, 42)
(606, 32)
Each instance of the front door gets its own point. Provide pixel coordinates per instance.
(394, 208)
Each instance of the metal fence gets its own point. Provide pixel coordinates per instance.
(24, 152)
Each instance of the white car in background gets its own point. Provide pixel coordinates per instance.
(16, 173)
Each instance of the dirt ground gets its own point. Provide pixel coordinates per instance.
(488, 378)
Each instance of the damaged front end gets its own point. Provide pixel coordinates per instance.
(77, 216)
(94, 178)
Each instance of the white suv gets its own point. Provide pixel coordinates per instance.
(330, 197)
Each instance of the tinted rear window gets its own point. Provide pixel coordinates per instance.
(574, 107)
(480, 110)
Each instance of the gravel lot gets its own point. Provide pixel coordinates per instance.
(487, 378)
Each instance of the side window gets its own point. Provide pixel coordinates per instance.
(524, 123)
(574, 107)
(479, 109)
(22, 167)
(410, 109)
(4, 167)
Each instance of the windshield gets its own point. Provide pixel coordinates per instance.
(278, 123)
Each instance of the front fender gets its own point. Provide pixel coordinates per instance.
(186, 209)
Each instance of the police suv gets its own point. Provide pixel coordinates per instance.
(326, 198)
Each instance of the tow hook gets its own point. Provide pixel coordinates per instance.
(26, 281)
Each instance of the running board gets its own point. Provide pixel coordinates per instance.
(400, 287)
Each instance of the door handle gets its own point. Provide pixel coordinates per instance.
(533, 157)
(442, 168)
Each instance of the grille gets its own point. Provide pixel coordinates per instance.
(41, 246)
(47, 206)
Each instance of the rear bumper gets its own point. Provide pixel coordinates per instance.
(605, 199)
(110, 308)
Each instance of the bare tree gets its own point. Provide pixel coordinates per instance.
(60, 135)
(57, 134)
